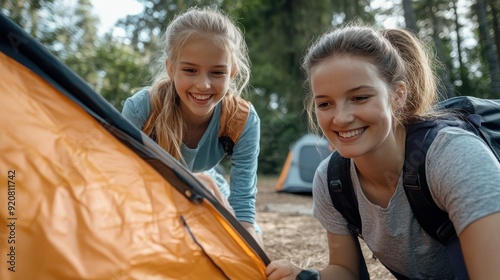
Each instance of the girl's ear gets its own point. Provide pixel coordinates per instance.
(234, 71)
(400, 95)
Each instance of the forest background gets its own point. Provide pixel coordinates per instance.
(464, 36)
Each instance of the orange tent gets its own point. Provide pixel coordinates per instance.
(85, 195)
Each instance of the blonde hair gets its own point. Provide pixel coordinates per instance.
(399, 57)
(165, 124)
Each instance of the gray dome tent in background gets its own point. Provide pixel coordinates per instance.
(300, 165)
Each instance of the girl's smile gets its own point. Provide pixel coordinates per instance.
(351, 133)
(201, 98)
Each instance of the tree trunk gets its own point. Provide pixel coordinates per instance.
(463, 70)
(446, 88)
(410, 17)
(489, 52)
(496, 26)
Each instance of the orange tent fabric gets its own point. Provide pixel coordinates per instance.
(82, 199)
(284, 172)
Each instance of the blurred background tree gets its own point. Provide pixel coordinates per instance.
(464, 35)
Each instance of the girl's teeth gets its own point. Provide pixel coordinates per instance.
(201, 96)
(352, 133)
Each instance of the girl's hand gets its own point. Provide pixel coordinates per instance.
(282, 270)
(211, 185)
(251, 229)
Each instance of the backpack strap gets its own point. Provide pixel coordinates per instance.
(344, 200)
(342, 192)
(418, 139)
(430, 217)
(234, 115)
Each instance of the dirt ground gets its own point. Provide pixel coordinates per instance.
(291, 232)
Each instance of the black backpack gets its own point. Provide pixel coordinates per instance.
(480, 116)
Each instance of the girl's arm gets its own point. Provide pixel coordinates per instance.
(480, 243)
(137, 108)
(343, 262)
(465, 176)
(243, 172)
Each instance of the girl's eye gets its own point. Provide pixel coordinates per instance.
(189, 70)
(360, 98)
(218, 73)
(322, 104)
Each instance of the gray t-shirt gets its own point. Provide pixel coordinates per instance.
(464, 179)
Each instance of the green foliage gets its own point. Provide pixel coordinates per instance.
(145, 29)
(278, 131)
(281, 131)
(23, 12)
(121, 71)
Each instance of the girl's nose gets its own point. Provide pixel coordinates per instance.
(203, 83)
(342, 115)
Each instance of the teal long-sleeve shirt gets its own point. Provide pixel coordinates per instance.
(242, 188)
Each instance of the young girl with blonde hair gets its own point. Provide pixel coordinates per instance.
(204, 66)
